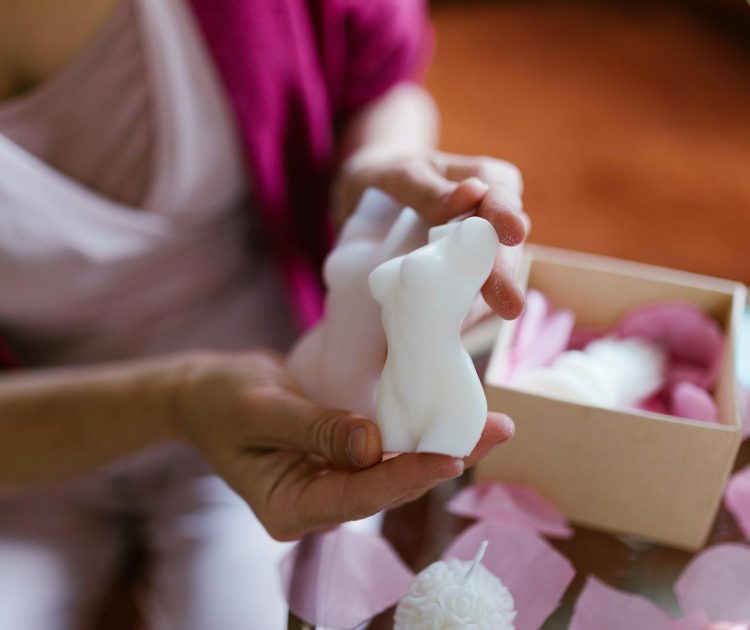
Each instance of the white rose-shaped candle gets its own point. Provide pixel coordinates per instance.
(454, 595)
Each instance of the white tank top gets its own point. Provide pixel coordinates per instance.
(124, 226)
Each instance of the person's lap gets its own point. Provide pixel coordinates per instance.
(210, 564)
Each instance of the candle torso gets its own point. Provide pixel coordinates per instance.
(430, 398)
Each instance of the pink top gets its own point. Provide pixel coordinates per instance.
(93, 121)
(294, 72)
(124, 228)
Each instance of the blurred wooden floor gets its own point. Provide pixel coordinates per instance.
(630, 121)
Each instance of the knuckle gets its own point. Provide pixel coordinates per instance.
(322, 433)
(283, 534)
(500, 172)
(511, 174)
(280, 529)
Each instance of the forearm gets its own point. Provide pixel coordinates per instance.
(60, 422)
(403, 120)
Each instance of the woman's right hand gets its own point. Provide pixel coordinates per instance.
(299, 466)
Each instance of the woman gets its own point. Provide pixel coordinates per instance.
(164, 172)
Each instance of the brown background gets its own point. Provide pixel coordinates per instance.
(629, 120)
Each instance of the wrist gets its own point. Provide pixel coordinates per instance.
(159, 389)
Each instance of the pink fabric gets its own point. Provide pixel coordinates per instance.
(92, 121)
(88, 278)
(295, 71)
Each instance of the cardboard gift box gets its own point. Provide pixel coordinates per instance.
(646, 474)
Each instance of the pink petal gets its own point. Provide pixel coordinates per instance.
(737, 499)
(341, 579)
(694, 403)
(687, 331)
(601, 607)
(717, 581)
(553, 339)
(541, 334)
(536, 574)
(701, 376)
(534, 313)
(511, 503)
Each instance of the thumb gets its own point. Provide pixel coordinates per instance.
(343, 438)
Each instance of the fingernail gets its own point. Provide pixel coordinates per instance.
(509, 427)
(477, 183)
(458, 467)
(356, 445)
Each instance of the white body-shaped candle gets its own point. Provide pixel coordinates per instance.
(453, 595)
(608, 373)
(430, 398)
(338, 363)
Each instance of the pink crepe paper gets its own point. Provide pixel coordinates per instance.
(534, 572)
(512, 503)
(717, 582)
(693, 339)
(541, 334)
(714, 587)
(737, 499)
(342, 578)
(535, 311)
(600, 606)
(699, 375)
(694, 403)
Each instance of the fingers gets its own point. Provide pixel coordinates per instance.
(498, 429)
(501, 204)
(442, 186)
(345, 496)
(293, 494)
(343, 438)
(503, 210)
(414, 182)
(500, 291)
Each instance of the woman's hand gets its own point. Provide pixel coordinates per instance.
(299, 466)
(441, 186)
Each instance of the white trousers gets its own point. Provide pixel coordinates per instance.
(211, 565)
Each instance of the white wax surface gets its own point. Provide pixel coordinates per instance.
(442, 597)
(608, 373)
(430, 398)
(338, 363)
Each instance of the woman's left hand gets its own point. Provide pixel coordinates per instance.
(442, 186)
